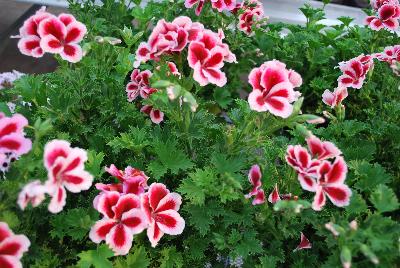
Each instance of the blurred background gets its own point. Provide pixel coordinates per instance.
(14, 12)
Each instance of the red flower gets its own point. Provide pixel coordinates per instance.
(355, 71)
(388, 14)
(139, 85)
(253, 12)
(304, 243)
(272, 89)
(65, 166)
(122, 219)
(161, 209)
(12, 247)
(335, 98)
(61, 35)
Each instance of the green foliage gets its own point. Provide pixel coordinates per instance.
(137, 259)
(97, 258)
(384, 199)
(207, 143)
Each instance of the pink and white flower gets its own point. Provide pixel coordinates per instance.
(391, 55)
(304, 243)
(207, 64)
(65, 166)
(122, 219)
(156, 116)
(322, 149)
(254, 178)
(33, 193)
(61, 35)
(273, 90)
(330, 182)
(29, 43)
(12, 247)
(220, 5)
(161, 209)
(300, 159)
(355, 71)
(131, 181)
(139, 85)
(317, 174)
(334, 99)
(274, 196)
(253, 12)
(387, 15)
(44, 32)
(13, 143)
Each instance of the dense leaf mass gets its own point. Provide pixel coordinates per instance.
(208, 141)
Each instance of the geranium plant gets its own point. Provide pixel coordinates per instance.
(198, 134)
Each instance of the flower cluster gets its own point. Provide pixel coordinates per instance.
(391, 55)
(387, 15)
(7, 79)
(207, 52)
(128, 209)
(44, 32)
(219, 5)
(139, 86)
(354, 72)
(323, 171)
(13, 143)
(273, 88)
(12, 247)
(65, 167)
(253, 12)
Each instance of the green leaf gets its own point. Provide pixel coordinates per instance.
(384, 199)
(74, 223)
(357, 204)
(10, 218)
(170, 258)
(138, 259)
(369, 175)
(223, 98)
(93, 164)
(97, 258)
(4, 109)
(169, 157)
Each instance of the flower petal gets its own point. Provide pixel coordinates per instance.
(15, 245)
(170, 222)
(307, 183)
(7, 261)
(55, 149)
(319, 199)
(58, 200)
(119, 239)
(304, 243)
(157, 191)
(135, 220)
(170, 201)
(75, 32)
(100, 229)
(154, 234)
(72, 53)
(124, 204)
(338, 194)
(106, 202)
